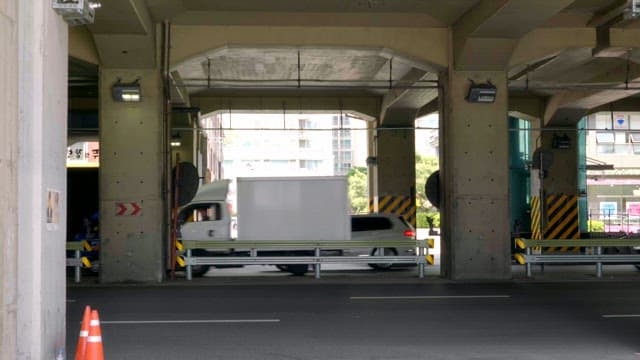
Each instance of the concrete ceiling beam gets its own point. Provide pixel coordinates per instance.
(486, 36)
(124, 35)
(568, 107)
(427, 46)
(367, 107)
(544, 42)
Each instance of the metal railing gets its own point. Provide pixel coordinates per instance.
(421, 258)
(591, 252)
(617, 222)
(78, 261)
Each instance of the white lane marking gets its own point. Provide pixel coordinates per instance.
(622, 316)
(221, 321)
(434, 297)
(70, 301)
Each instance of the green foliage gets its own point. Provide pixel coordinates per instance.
(424, 217)
(358, 193)
(425, 166)
(595, 226)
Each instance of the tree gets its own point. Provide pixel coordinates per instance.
(358, 193)
(426, 212)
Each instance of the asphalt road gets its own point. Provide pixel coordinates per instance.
(367, 318)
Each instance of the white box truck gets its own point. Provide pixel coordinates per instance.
(271, 208)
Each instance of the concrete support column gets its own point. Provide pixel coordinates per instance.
(395, 172)
(562, 176)
(33, 116)
(131, 200)
(8, 178)
(475, 179)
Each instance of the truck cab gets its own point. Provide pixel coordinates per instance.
(207, 216)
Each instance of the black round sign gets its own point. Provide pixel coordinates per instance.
(187, 184)
(432, 189)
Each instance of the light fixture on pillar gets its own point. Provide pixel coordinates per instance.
(176, 141)
(561, 141)
(482, 93)
(126, 92)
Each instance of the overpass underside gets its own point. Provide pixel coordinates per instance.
(547, 61)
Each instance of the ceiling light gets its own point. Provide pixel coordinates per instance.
(126, 92)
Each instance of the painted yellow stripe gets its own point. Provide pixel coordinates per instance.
(180, 261)
(396, 201)
(179, 246)
(431, 243)
(86, 245)
(553, 204)
(402, 210)
(555, 231)
(430, 259)
(383, 202)
(86, 262)
(559, 215)
(520, 259)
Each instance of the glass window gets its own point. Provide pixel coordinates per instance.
(605, 138)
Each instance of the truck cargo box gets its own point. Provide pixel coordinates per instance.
(293, 208)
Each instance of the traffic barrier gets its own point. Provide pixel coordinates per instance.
(563, 221)
(78, 261)
(94, 340)
(84, 333)
(421, 258)
(592, 252)
(399, 205)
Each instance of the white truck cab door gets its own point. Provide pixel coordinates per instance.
(205, 222)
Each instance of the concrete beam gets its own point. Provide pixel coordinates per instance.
(368, 106)
(544, 42)
(82, 46)
(125, 35)
(424, 45)
(568, 107)
(485, 37)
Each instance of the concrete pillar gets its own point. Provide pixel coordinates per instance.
(475, 179)
(33, 116)
(396, 165)
(132, 241)
(562, 176)
(8, 178)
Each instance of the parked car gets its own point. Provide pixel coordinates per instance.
(380, 227)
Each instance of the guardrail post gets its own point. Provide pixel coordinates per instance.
(599, 263)
(317, 264)
(188, 264)
(422, 258)
(78, 267)
(528, 265)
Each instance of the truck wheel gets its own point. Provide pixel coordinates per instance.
(199, 270)
(383, 266)
(296, 269)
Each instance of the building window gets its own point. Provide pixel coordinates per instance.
(634, 139)
(605, 142)
(304, 144)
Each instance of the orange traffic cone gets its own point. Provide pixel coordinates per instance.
(94, 341)
(84, 332)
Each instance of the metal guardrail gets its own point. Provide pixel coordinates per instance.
(77, 261)
(591, 252)
(421, 258)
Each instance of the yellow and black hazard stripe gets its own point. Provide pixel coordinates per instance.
(400, 205)
(563, 220)
(536, 218)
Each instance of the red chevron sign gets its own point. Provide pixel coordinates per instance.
(128, 209)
